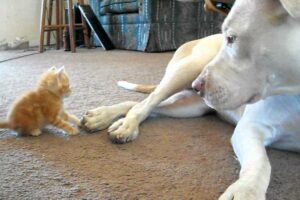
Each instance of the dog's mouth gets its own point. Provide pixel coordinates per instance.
(201, 94)
(254, 98)
(224, 106)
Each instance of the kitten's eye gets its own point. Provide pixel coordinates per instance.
(230, 39)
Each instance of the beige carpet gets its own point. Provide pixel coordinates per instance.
(11, 55)
(171, 159)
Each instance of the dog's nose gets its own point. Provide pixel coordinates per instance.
(198, 86)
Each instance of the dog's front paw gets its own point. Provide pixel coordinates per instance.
(243, 191)
(124, 130)
(98, 119)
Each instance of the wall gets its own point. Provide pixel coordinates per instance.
(20, 18)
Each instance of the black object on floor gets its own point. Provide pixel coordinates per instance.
(95, 25)
(79, 34)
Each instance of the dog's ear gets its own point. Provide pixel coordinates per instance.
(292, 7)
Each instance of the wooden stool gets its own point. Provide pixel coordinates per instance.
(60, 25)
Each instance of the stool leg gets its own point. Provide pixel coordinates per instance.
(71, 26)
(85, 34)
(58, 23)
(42, 24)
(61, 17)
(49, 21)
(85, 30)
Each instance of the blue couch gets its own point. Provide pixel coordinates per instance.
(155, 25)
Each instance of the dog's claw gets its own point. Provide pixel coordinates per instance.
(83, 121)
(88, 113)
(116, 140)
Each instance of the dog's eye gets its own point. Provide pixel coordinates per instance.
(231, 39)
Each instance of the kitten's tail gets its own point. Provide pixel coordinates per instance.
(4, 124)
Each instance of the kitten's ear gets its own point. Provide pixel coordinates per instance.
(53, 68)
(61, 70)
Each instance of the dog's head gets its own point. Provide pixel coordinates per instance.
(260, 55)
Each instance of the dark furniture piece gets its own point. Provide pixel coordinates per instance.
(155, 25)
(47, 26)
(220, 6)
(95, 25)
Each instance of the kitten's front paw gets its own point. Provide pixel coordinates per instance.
(36, 133)
(73, 131)
(77, 121)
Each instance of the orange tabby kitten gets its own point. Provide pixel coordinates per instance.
(42, 106)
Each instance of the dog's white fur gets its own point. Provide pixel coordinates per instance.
(292, 7)
(261, 61)
(271, 122)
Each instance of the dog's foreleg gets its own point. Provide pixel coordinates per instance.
(182, 104)
(248, 143)
(175, 80)
(186, 64)
(100, 118)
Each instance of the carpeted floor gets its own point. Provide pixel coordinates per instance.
(171, 159)
(11, 55)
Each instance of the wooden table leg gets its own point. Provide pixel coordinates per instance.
(42, 24)
(71, 26)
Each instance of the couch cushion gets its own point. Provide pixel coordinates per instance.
(118, 6)
(123, 19)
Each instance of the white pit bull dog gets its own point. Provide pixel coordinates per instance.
(256, 58)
